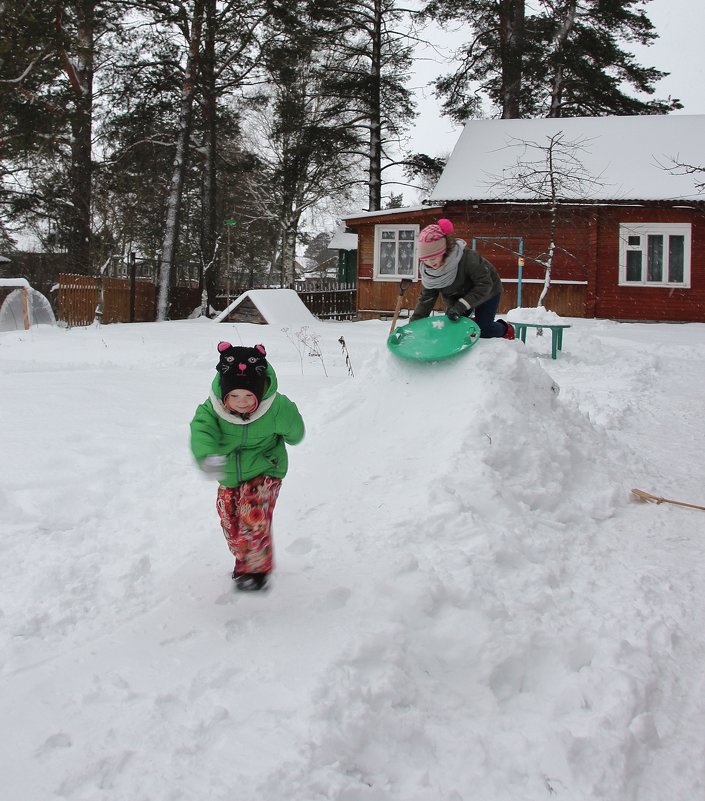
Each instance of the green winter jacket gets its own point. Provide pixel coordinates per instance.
(253, 447)
(477, 281)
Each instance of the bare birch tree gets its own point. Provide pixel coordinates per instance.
(231, 52)
(676, 166)
(191, 25)
(550, 171)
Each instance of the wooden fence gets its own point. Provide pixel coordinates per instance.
(79, 296)
(336, 304)
(564, 298)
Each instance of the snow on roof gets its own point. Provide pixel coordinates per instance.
(343, 241)
(360, 215)
(627, 157)
(278, 307)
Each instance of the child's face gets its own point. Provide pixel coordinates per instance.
(435, 262)
(241, 401)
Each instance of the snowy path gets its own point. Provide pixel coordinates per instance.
(467, 603)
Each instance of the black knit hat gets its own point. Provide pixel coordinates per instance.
(242, 368)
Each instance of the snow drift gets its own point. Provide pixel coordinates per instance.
(466, 604)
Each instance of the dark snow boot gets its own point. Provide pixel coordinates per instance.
(250, 582)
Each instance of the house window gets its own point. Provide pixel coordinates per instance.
(395, 252)
(654, 254)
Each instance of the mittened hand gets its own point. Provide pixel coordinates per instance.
(213, 466)
(458, 310)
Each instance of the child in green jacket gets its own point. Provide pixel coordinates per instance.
(239, 436)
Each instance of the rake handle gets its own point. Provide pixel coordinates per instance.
(405, 283)
(647, 496)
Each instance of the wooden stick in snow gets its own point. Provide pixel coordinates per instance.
(647, 496)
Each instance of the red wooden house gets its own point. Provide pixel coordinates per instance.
(629, 222)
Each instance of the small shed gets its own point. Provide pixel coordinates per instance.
(629, 228)
(267, 307)
(242, 310)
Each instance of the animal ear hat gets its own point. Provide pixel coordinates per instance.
(432, 239)
(242, 368)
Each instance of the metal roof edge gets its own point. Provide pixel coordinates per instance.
(583, 202)
(362, 215)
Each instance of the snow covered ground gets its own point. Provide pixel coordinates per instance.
(468, 605)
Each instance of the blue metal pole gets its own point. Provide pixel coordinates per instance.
(520, 271)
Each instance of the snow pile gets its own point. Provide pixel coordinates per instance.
(534, 314)
(467, 604)
(473, 577)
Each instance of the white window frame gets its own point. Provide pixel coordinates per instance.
(377, 276)
(643, 230)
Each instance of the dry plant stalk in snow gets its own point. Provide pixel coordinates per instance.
(304, 341)
(348, 363)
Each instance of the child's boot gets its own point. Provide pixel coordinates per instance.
(250, 582)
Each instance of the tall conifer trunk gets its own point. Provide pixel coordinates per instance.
(209, 222)
(559, 44)
(375, 101)
(79, 71)
(511, 37)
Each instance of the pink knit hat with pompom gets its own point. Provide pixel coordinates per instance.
(432, 239)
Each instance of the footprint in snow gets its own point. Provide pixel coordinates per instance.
(300, 546)
(337, 598)
(53, 743)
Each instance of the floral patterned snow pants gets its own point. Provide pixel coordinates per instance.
(246, 517)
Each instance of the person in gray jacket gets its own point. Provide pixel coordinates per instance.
(466, 281)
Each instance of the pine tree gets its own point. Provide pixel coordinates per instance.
(560, 58)
(587, 65)
(47, 82)
(372, 40)
(492, 62)
(29, 118)
(301, 129)
(173, 94)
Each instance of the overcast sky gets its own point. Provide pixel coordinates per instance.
(680, 50)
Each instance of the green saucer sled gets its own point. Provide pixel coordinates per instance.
(433, 338)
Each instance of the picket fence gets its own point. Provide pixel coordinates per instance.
(79, 297)
(330, 304)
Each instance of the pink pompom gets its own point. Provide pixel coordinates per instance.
(446, 226)
(223, 346)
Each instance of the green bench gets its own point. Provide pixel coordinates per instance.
(556, 333)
